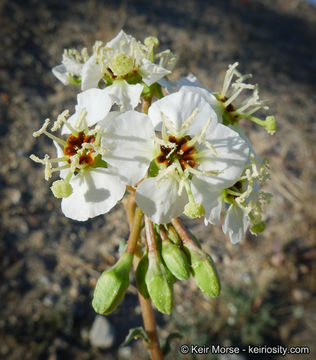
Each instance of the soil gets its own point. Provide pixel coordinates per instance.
(49, 264)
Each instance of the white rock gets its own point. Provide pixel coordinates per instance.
(101, 334)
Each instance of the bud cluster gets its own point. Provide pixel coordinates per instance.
(165, 259)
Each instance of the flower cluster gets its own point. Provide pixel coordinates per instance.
(184, 153)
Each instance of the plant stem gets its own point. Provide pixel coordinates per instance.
(150, 327)
(146, 104)
(135, 231)
(150, 236)
(130, 205)
(180, 229)
(135, 220)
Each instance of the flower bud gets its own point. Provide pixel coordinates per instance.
(159, 288)
(175, 260)
(203, 271)
(140, 275)
(112, 285)
(173, 235)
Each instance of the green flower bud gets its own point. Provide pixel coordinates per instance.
(112, 285)
(61, 189)
(158, 286)
(173, 235)
(175, 260)
(140, 274)
(203, 271)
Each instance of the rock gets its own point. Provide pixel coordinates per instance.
(101, 334)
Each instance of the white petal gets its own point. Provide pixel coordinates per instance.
(91, 74)
(206, 94)
(151, 72)
(242, 133)
(121, 43)
(232, 154)
(209, 197)
(128, 139)
(178, 107)
(97, 103)
(72, 66)
(125, 95)
(161, 203)
(236, 223)
(61, 73)
(95, 192)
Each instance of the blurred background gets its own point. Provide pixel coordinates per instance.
(49, 264)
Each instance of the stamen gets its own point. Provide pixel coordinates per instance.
(240, 89)
(169, 124)
(48, 168)
(81, 118)
(42, 129)
(170, 170)
(59, 168)
(62, 119)
(228, 78)
(190, 119)
(85, 54)
(63, 158)
(203, 173)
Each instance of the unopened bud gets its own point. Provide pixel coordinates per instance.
(173, 235)
(112, 285)
(140, 275)
(204, 271)
(175, 260)
(158, 286)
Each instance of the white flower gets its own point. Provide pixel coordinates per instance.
(123, 63)
(244, 202)
(71, 66)
(195, 157)
(89, 186)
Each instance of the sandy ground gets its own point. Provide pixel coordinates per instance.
(50, 264)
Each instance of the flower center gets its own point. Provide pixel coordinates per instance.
(121, 65)
(75, 143)
(181, 151)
